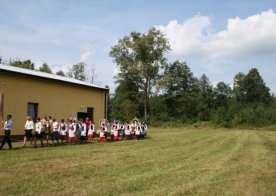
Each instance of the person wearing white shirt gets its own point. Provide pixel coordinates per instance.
(29, 126)
(138, 132)
(72, 132)
(63, 131)
(38, 132)
(91, 131)
(83, 131)
(7, 129)
(55, 134)
(127, 131)
(103, 133)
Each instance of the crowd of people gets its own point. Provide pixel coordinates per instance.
(75, 131)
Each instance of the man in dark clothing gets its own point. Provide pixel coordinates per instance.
(7, 129)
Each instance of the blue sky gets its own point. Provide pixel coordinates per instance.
(217, 37)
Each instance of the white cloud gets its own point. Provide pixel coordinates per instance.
(251, 36)
(85, 56)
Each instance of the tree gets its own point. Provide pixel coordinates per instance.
(27, 64)
(177, 78)
(140, 57)
(45, 68)
(78, 72)
(206, 97)
(222, 93)
(60, 73)
(180, 89)
(125, 104)
(251, 89)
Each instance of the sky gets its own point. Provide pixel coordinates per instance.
(219, 38)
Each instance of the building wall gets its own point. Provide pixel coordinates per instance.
(57, 99)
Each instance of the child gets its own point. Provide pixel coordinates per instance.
(116, 133)
(63, 131)
(91, 131)
(127, 131)
(83, 132)
(103, 133)
(55, 134)
(72, 132)
(138, 132)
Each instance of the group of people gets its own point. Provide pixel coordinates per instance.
(73, 131)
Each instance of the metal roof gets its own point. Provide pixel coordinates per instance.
(18, 70)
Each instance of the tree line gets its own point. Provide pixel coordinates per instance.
(156, 90)
(76, 71)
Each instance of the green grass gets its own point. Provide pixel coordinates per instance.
(169, 162)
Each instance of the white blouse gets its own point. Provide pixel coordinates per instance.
(29, 125)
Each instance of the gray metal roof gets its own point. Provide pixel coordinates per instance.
(36, 73)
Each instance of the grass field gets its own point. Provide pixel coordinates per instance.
(168, 162)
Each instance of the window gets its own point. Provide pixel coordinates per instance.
(90, 112)
(32, 110)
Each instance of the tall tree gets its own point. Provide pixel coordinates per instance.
(78, 72)
(222, 94)
(180, 88)
(126, 100)
(27, 64)
(252, 89)
(206, 97)
(45, 68)
(141, 56)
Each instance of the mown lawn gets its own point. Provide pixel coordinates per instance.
(168, 162)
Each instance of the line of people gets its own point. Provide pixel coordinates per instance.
(79, 131)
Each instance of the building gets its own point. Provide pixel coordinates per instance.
(37, 94)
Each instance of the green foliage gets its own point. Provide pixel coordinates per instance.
(222, 117)
(251, 89)
(45, 68)
(181, 97)
(206, 98)
(60, 73)
(140, 56)
(77, 71)
(27, 64)
(125, 104)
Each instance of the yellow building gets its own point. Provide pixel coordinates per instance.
(38, 94)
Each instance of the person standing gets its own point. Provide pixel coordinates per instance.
(7, 129)
(63, 131)
(55, 134)
(38, 132)
(72, 132)
(29, 126)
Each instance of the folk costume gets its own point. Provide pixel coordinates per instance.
(103, 134)
(72, 132)
(63, 131)
(127, 131)
(91, 131)
(83, 132)
(55, 134)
